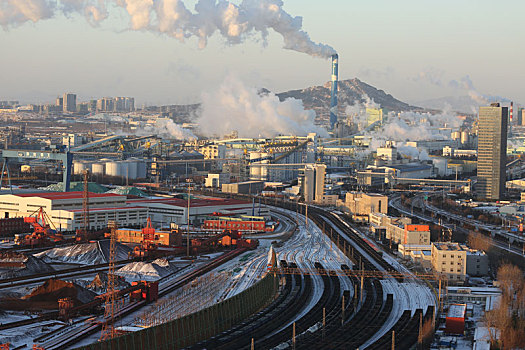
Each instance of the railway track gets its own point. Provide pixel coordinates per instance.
(375, 311)
(72, 336)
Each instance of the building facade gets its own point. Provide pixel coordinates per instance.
(492, 151)
(69, 103)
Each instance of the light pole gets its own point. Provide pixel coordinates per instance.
(188, 220)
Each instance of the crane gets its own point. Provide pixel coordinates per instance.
(110, 309)
(42, 232)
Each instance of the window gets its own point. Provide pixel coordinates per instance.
(451, 270)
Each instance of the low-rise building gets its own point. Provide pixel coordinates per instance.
(165, 238)
(418, 253)
(401, 230)
(165, 211)
(485, 296)
(213, 151)
(455, 261)
(216, 180)
(359, 203)
(65, 209)
(247, 187)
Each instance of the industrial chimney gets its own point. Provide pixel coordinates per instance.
(333, 99)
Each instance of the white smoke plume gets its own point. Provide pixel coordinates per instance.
(235, 23)
(404, 127)
(166, 128)
(465, 83)
(236, 107)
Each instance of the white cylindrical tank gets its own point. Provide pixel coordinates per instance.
(123, 168)
(464, 137)
(113, 168)
(132, 169)
(255, 171)
(80, 166)
(97, 168)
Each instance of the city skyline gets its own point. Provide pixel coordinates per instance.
(411, 65)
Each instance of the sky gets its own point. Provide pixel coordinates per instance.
(412, 49)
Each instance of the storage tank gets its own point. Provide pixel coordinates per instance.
(113, 168)
(131, 169)
(79, 167)
(97, 168)
(464, 137)
(141, 170)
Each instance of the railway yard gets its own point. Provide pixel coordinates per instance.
(337, 290)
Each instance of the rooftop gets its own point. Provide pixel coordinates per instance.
(457, 310)
(66, 195)
(195, 202)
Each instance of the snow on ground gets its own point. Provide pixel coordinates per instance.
(86, 253)
(146, 271)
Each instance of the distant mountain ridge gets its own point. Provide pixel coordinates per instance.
(350, 92)
(316, 98)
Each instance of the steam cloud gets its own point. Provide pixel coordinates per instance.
(236, 107)
(403, 127)
(465, 83)
(234, 22)
(166, 128)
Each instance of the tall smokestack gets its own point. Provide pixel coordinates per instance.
(333, 100)
(511, 111)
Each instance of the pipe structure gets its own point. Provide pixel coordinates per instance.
(333, 99)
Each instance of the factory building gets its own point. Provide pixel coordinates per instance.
(359, 203)
(65, 209)
(166, 238)
(216, 180)
(247, 187)
(164, 211)
(213, 151)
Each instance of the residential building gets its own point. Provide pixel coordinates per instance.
(492, 151)
(69, 102)
(455, 261)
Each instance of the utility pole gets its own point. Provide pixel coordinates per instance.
(188, 220)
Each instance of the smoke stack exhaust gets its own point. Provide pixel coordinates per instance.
(333, 99)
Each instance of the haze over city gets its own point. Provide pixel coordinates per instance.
(262, 174)
(409, 48)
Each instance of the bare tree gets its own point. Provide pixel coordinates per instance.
(508, 317)
(479, 241)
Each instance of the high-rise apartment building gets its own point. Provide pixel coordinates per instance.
(492, 151)
(69, 103)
